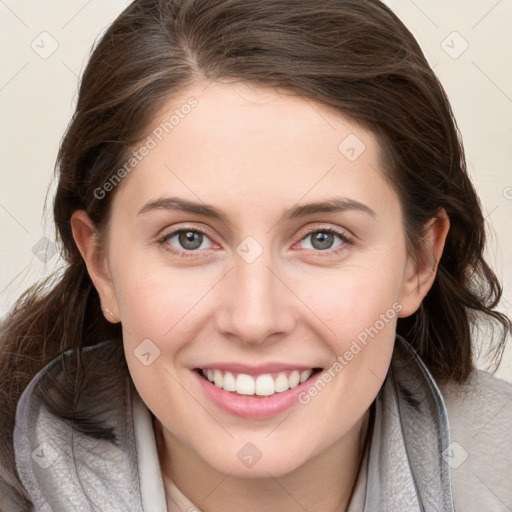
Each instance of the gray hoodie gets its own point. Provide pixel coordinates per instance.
(411, 465)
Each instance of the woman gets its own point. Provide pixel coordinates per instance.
(275, 261)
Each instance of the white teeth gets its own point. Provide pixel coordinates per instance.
(281, 383)
(244, 384)
(294, 379)
(217, 378)
(264, 385)
(229, 383)
(305, 375)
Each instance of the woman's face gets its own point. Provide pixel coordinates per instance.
(291, 257)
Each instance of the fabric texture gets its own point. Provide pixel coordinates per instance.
(480, 455)
(409, 465)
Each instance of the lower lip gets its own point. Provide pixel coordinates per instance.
(253, 407)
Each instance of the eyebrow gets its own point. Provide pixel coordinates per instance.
(332, 205)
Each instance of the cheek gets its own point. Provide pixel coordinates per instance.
(355, 302)
(360, 309)
(362, 346)
(155, 300)
(362, 322)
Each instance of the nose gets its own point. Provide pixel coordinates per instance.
(256, 304)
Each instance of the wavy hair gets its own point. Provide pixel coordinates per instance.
(354, 56)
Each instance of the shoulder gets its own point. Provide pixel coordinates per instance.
(480, 458)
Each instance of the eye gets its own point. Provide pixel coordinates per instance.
(323, 240)
(183, 241)
(192, 241)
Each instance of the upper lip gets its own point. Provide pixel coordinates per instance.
(256, 369)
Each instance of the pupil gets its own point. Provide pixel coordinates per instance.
(190, 240)
(322, 240)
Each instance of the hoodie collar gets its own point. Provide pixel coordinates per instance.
(406, 466)
(62, 469)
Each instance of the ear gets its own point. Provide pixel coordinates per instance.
(87, 240)
(420, 276)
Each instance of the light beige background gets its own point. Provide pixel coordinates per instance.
(468, 42)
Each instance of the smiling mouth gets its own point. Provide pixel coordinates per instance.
(263, 385)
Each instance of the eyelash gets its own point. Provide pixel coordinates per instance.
(186, 254)
(194, 254)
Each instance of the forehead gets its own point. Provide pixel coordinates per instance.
(252, 145)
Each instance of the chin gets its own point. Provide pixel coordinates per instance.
(251, 462)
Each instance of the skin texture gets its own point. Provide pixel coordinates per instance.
(254, 152)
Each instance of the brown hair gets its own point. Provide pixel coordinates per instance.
(355, 56)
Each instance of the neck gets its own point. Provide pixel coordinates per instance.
(322, 484)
